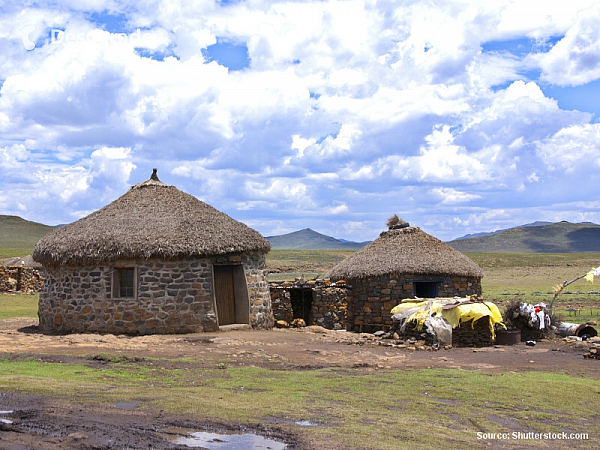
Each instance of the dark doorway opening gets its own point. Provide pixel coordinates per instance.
(426, 289)
(301, 300)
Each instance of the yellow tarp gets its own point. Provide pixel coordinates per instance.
(474, 311)
(454, 316)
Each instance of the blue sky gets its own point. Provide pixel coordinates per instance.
(460, 117)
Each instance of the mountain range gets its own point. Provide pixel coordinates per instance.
(538, 237)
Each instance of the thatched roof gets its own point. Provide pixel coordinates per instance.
(405, 251)
(152, 220)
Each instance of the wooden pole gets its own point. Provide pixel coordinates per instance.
(564, 285)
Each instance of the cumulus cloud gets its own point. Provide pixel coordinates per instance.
(452, 196)
(575, 60)
(571, 148)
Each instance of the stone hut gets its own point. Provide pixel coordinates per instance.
(403, 262)
(154, 261)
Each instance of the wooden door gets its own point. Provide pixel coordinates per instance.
(224, 294)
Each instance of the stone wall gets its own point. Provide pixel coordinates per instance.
(372, 299)
(172, 297)
(328, 306)
(19, 279)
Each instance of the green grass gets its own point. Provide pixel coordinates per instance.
(307, 263)
(19, 305)
(426, 408)
(19, 236)
(13, 252)
(532, 277)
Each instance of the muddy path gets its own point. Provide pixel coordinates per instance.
(304, 348)
(47, 424)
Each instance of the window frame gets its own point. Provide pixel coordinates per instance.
(117, 288)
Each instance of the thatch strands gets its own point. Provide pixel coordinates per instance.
(405, 251)
(152, 220)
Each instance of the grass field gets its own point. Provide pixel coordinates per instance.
(427, 409)
(20, 305)
(19, 236)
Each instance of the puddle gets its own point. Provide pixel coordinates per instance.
(127, 405)
(215, 441)
(6, 421)
(300, 423)
(306, 423)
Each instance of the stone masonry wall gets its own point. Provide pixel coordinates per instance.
(372, 299)
(329, 302)
(19, 279)
(172, 297)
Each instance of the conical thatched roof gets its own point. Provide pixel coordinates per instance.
(152, 220)
(405, 251)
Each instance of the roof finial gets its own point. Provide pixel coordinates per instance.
(154, 176)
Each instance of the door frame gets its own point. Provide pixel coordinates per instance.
(241, 295)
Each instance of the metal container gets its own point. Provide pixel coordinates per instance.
(576, 329)
(508, 337)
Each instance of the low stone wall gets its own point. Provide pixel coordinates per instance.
(328, 305)
(372, 299)
(20, 279)
(172, 297)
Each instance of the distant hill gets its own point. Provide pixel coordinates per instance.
(308, 239)
(18, 236)
(560, 237)
(476, 235)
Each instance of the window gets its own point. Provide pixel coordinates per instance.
(426, 289)
(124, 282)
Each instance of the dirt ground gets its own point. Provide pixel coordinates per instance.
(49, 424)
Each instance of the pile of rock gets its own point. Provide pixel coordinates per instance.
(20, 279)
(593, 353)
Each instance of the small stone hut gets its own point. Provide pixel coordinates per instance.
(154, 261)
(403, 262)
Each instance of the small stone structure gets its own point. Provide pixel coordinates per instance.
(154, 261)
(19, 279)
(318, 302)
(373, 299)
(403, 262)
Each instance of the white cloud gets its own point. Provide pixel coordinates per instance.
(575, 60)
(278, 188)
(338, 209)
(571, 148)
(452, 196)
